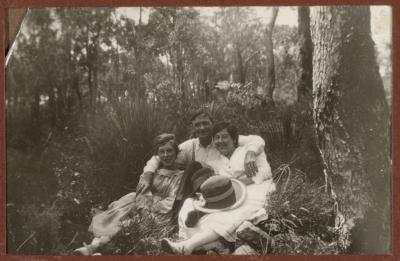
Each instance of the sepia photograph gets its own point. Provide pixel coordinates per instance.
(188, 130)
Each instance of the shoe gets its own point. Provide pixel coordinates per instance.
(193, 217)
(82, 251)
(86, 250)
(170, 247)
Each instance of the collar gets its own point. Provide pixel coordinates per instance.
(199, 145)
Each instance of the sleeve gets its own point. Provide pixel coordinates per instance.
(264, 169)
(252, 143)
(185, 151)
(184, 157)
(152, 165)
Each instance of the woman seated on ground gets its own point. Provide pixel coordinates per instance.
(158, 201)
(227, 199)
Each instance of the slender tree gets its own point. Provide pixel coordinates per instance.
(270, 65)
(304, 87)
(352, 122)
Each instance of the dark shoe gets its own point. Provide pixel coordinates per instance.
(193, 217)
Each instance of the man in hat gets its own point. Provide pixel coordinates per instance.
(201, 149)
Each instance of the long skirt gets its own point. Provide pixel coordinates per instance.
(110, 222)
(225, 223)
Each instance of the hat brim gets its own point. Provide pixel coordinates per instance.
(240, 192)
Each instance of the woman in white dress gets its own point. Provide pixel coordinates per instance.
(213, 223)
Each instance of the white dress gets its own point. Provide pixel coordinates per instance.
(225, 223)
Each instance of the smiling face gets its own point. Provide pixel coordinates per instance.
(167, 154)
(202, 126)
(224, 143)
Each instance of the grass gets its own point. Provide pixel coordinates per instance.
(301, 216)
(98, 158)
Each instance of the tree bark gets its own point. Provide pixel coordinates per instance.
(138, 58)
(241, 71)
(76, 88)
(304, 88)
(35, 112)
(90, 86)
(352, 124)
(270, 66)
(52, 109)
(180, 72)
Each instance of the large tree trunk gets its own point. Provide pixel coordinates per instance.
(90, 86)
(52, 109)
(270, 65)
(35, 111)
(352, 123)
(304, 88)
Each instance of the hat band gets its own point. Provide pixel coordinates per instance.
(220, 196)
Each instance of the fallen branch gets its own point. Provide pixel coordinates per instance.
(72, 240)
(26, 241)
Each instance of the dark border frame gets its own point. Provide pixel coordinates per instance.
(395, 4)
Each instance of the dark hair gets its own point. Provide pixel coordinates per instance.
(162, 139)
(231, 129)
(199, 112)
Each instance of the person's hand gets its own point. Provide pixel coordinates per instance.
(144, 182)
(246, 180)
(250, 167)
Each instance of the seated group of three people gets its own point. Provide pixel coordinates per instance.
(226, 180)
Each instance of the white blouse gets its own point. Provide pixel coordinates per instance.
(234, 167)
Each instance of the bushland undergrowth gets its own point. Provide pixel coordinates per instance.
(57, 177)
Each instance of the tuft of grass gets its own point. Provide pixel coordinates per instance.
(301, 216)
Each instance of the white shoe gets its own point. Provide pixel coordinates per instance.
(83, 251)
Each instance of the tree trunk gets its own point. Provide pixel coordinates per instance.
(76, 88)
(352, 123)
(206, 84)
(138, 57)
(241, 72)
(180, 72)
(52, 109)
(90, 86)
(304, 88)
(270, 66)
(95, 87)
(61, 94)
(35, 105)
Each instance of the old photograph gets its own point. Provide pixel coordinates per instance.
(226, 130)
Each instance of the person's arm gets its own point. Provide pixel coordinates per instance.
(254, 146)
(246, 180)
(264, 169)
(252, 143)
(152, 164)
(146, 179)
(186, 151)
(183, 157)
